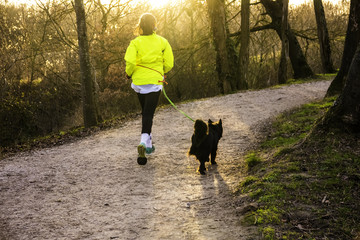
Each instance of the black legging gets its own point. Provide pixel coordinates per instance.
(148, 104)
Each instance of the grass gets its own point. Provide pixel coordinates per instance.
(317, 77)
(251, 160)
(307, 185)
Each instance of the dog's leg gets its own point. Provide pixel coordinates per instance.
(213, 156)
(202, 167)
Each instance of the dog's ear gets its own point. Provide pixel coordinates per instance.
(220, 122)
(210, 122)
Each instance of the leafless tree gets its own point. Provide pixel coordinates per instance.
(345, 113)
(323, 35)
(298, 61)
(216, 9)
(351, 40)
(244, 47)
(89, 105)
(283, 68)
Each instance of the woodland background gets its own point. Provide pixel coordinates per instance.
(40, 84)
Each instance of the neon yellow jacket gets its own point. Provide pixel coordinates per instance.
(150, 51)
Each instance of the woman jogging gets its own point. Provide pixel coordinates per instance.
(148, 57)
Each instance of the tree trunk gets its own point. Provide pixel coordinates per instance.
(298, 61)
(89, 106)
(190, 13)
(345, 114)
(323, 35)
(350, 97)
(216, 10)
(244, 48)
(282, 74)
(351, 41)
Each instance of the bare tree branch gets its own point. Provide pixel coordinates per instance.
(57, 26)
(254, 29)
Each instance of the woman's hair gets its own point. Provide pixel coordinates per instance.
(146, 25)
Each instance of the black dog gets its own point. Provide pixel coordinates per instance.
(205, 141)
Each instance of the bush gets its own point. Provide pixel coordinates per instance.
(35, 109)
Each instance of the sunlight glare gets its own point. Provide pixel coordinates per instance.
(153, 3)
(298, 2)
(20, 2)
(158, 3)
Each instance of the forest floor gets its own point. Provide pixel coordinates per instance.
(93, 188)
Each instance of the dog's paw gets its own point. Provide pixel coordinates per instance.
(201, 171)
(213, 163)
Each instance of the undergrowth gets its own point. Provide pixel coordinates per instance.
(62, 137)
(307, 185)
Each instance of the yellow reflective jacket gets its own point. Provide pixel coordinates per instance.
(151, 52)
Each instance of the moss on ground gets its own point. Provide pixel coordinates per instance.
(307, 185)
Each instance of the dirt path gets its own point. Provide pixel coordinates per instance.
(94, 189)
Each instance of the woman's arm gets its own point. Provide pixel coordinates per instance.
(168, 58)
(130, 58)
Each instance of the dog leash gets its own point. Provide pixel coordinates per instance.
(163, 89)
